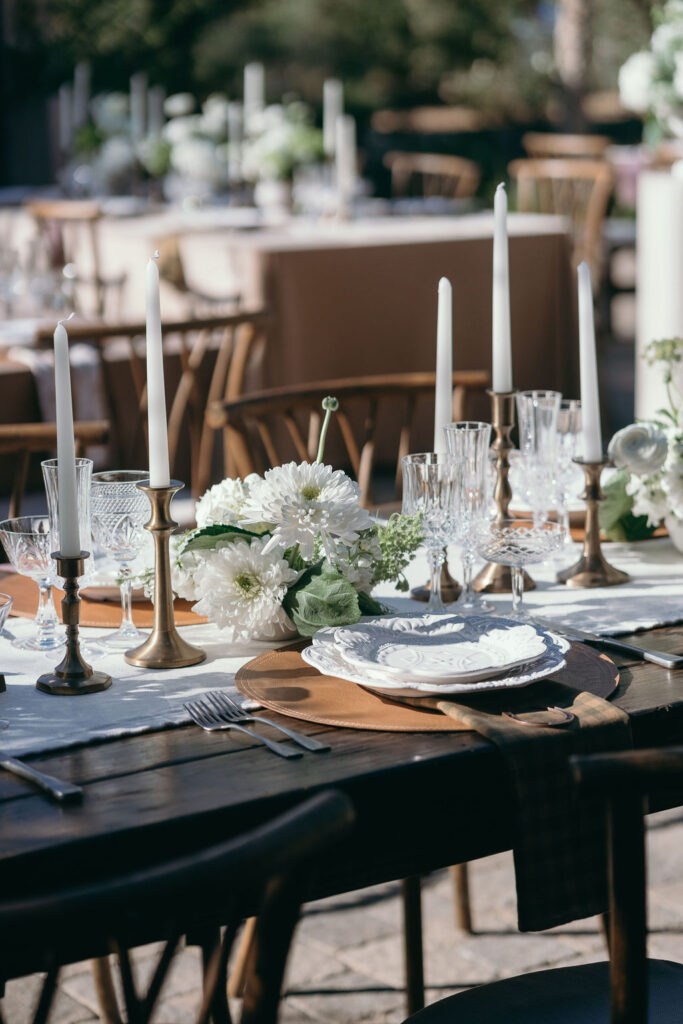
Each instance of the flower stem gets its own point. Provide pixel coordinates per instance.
(330, 405)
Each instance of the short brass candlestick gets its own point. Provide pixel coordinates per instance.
(495, 578)
(592, 570)
(164, 647)
(450, 588)
(73, 675)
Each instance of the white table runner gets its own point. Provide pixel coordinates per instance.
(142, 700)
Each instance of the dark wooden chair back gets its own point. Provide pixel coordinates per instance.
(266, 428)
(265, 870)
(61, 223)
(432, 174)
(625, 781)
(577, 189)
(23, 439)
(556, 144)
(431, 120)
(206, 359)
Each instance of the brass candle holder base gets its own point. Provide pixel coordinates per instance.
(592, 569)
(495, 578)
(164, 647)
(450, 588)
(73, 676)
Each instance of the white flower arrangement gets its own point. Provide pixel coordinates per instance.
(648, 489)
(281, 139)
(651, 81)
(289, 552)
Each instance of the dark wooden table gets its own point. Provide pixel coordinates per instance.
(424, 800)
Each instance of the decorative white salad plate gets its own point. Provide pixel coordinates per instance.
(508, 667)
(457, 650)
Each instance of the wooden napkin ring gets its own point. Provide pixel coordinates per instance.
(567, 718)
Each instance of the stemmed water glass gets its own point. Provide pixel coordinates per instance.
(566, 472)
(517, 543)
(537, 417)
(468, 441)
(432, 488)
(29, 544)
(119, 512)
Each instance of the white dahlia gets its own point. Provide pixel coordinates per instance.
(306, 501)
(241, 587)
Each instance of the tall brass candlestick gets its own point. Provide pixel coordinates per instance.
(495, 578)
(73, 675)
(592, 569)
(164, 647)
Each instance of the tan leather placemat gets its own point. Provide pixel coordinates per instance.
(282, 681)
(93, 613)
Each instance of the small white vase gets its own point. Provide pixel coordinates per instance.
(675, 528)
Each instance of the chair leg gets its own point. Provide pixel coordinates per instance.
(605, 928)
(460, 877)
(412, 943)
(209, 942)
(106, 993)
(240, 965)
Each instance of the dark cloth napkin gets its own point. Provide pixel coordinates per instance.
(560, 841)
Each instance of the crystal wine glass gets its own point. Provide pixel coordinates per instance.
(119, 512)
(432, 488)
(568, 477)
(469, 441)
(83, 479)
(517, 543)
(537, 413)
(29, 544)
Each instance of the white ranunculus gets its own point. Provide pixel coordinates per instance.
(636, 77)
(306, 502)
(241, 587)
(641, 448)
(179, 104)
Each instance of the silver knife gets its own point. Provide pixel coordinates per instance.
(656, 657)
(64, 792)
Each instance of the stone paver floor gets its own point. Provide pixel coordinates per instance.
(346, 965)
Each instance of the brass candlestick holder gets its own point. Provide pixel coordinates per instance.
(495, 578)
(73, 675)
(164, 647)
(592, 569)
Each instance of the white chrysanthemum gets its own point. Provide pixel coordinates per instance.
(241, 587)
(636, 77)
(222, 503)
(306, 502)
(641, 448)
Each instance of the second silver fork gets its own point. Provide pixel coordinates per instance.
(232, 710)
(208, 718)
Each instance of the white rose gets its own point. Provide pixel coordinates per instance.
(636, 77)
(179, 104)
(641, 448)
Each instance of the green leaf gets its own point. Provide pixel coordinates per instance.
(209, 536)
(321, 597)
(617, 521)
(368, 605)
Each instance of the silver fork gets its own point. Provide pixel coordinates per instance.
(211, 720)
(236, 713)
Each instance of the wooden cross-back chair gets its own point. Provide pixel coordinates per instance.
(194, 895)
(265, 428)
(432, 174)
(575, 188)
(59, 223)
(557, 144)
(595, 993)
(214, 355)
(172, 271)
(23, 439)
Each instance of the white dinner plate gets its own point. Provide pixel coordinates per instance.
(330, 661)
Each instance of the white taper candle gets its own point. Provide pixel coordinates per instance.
(138, 104)
(590, 401)
(443, 403)
(502, 349)
(254, 92)
(69, 539)
(345, 157)
(159, 473)
(333, 106)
